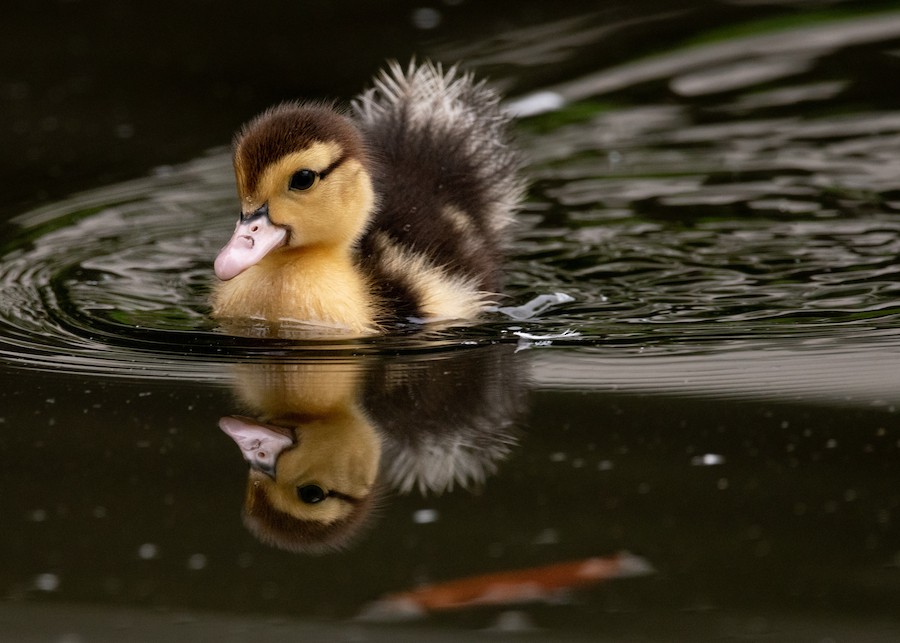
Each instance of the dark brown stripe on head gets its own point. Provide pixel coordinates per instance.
(289, 128)
(331, 168)
(351, 500)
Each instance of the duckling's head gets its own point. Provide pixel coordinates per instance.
(304, 181)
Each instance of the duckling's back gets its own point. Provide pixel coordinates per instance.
(447, 182)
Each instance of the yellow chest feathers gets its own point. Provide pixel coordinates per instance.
(306, 287)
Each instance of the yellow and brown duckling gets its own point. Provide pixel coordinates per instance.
(393, 211)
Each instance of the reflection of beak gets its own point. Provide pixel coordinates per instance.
(254, 237)
(260, 443)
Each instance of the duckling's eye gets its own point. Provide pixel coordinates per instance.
(303, 180)
(311, 494)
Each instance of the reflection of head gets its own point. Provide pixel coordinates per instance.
(323, 488)
(314, 462)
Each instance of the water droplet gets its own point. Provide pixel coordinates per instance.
(425, 516)
(197, 562)
(707, 460)
(426, 18)
(38, 515)
(125, 130)
(70, 637)
(46, 582)
(148, 551)
(513, 621)
(547, 537)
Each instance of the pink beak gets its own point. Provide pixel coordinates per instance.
(254, 237)
(261, 444)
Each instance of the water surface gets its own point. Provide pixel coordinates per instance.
(711, 388)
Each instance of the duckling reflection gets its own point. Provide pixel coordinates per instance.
(328, 439)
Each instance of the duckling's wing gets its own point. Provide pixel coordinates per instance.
(447, 177)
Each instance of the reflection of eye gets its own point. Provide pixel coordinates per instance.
(311, 494)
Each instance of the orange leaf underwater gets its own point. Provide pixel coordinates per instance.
(514, 586)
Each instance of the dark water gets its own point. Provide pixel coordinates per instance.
(711, 386)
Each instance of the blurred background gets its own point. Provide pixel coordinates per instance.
(94, 91)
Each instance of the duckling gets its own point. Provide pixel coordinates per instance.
(393, 211)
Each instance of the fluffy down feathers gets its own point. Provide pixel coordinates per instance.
(448, 182)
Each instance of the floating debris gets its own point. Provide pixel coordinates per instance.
(425, 516)
(530, 340)
(534, 584)
(197, 562)
(148, 551)
(707, 460)
(46, 582)
(538, 305)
